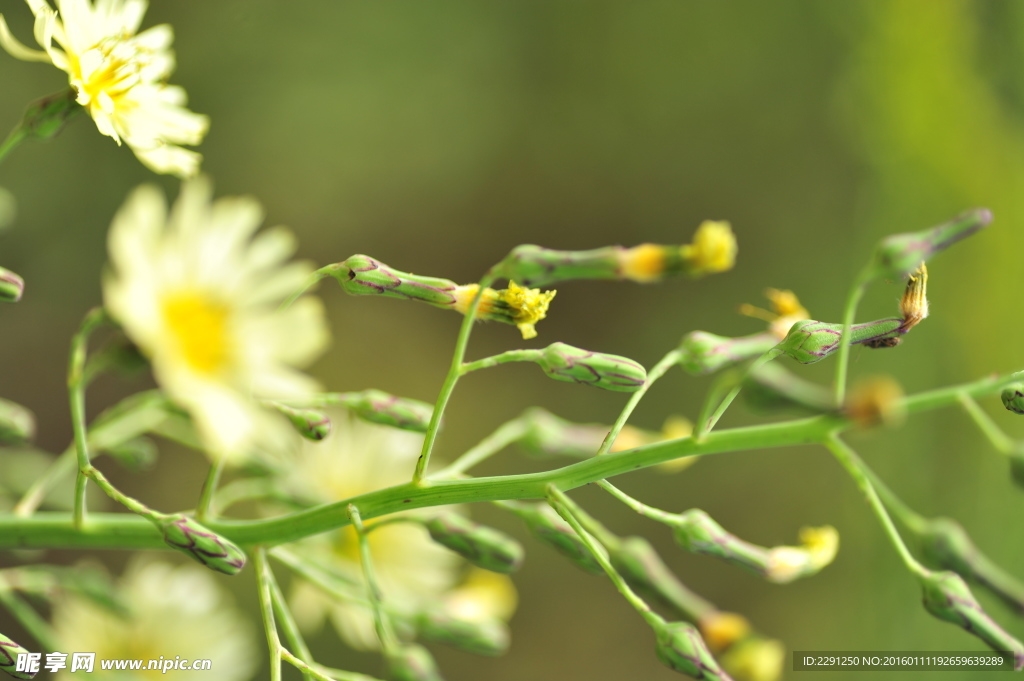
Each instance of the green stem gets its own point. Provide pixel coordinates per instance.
(16, 137)
(204, 510)
(111, 530)
(117, 495)
(504, 358)
(263, 580)
(318, 577)
(1000, 440)
(851, 462)
(454, 371)
(656, 372)
(37, 627)
(913, 520)
(505, 435)
(76, 395)
(387, 637)
(571, 513)
(638, 506)
(245, 489)
(705, 427)
(291, 630)
(860, 285)
(308, 284)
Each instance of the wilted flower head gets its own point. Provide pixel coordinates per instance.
(119, 76)
(199, 297)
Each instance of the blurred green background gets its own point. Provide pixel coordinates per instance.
(437, 136)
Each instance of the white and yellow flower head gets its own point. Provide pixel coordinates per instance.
(119, 76)
(413, 571)
(199, 296)
(174, 611)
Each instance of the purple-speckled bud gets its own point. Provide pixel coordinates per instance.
(564, 362)
(811, 341)
(1013, 398)
(208, 548)
(311, 424)
(705, 353)
(11, 286)
(900, 254)
(386, 409)
(362, 275)
(948, 597)
(681, 648)
(9, 651)
(481, 545)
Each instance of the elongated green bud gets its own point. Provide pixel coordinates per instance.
(1013, 398)
(488, 637)
(697, 532)
(17, 424)
(9, 651)
(947, 545)
(412, 663)
(899, 254)
(772, 387)
(481, 545)
(11, 286)
(311, 424)
(564, 362)
(947, 597)
(811, 341)
(362, 275)
(681, 648)
(46, 117)
(550, 435)
(206, 547)
(547, 526)
(380, 407)
(705, 353)
(640, 565)
(713, 250)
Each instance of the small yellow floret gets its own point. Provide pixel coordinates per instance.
(713, 249)
(755, 659)
(643, 263)
(199, 326)
(721, 629)
(529, 306)
(786, 563)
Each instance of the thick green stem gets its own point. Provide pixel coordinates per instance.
(849, 311)
(263, 581)
(853, 465)
(572, 513)
(454, 371)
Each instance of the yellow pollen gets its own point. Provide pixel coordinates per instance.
(109, 68)
(529, 305)
(198, 325)
(713, 249)
(643, 263)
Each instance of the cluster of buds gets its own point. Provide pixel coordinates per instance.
(697, 532)
(204, 546)
(482, 546)
(521, 306)
(713, 250)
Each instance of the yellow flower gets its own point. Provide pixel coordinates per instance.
(517, 305)
(199, 297)
(413, 571)
(175, 611)
(119, 76)
(713, 249)
(820, 545)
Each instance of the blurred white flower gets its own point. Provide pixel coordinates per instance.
(200, 297)
(175, 611)
(119, 76)
(413, 571)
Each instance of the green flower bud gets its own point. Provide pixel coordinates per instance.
(9, 651)
(309, 423)
(137, 454)
(610, 372)
(362, 275)
(46, 117)
(17, 424)
(705, 353)
(681, 648)
(208, 548)
(947, 597)
(11, 286)
(811, 341)
(550, 435)
(947, 545)
(1013, 398)
(380, 407)
(695, 531)
(547, 526)
(488, 637)
(482, 546)
(772, 387)
(899, 254)
(536, 266)
(412, 663)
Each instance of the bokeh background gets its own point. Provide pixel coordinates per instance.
(437, 136)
